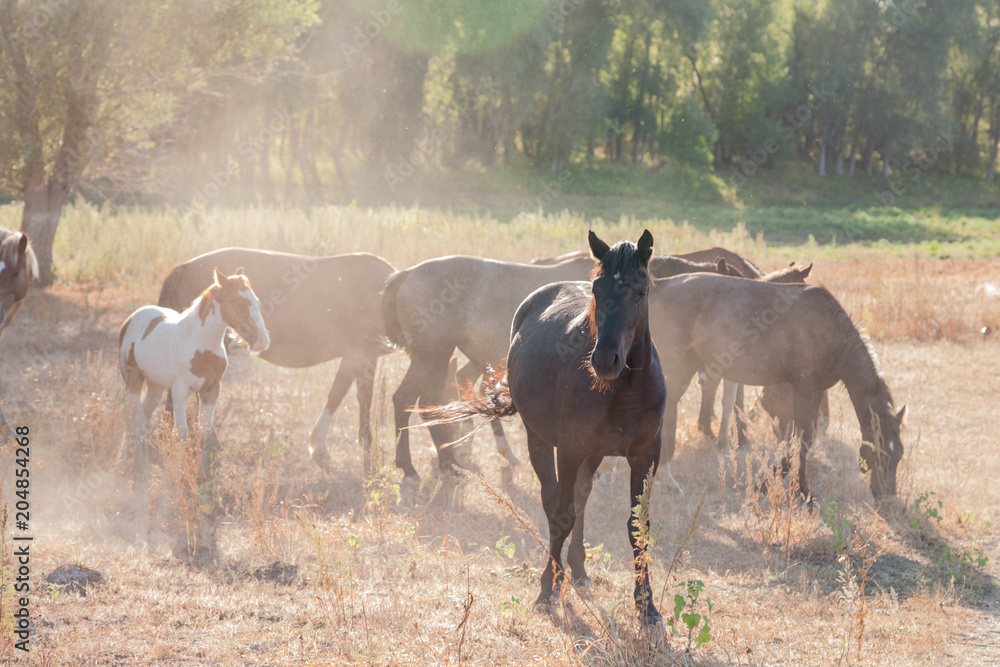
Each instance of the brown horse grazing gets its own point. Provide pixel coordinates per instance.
(316, 309)
(466, 302)
(18, 266)
(584, 375)
(760, 333)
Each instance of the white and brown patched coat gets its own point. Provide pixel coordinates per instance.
(184, 352)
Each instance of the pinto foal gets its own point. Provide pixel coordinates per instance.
(184, 353)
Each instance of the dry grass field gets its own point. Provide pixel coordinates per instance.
(314, 568)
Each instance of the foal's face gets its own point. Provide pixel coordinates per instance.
(241, 311)
(619, 309)
(15, 276)
(882, 460)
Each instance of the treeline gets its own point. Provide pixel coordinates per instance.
(243, 101)
(894, 89)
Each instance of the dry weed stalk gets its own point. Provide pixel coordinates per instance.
(193, 505)
(258, 498)
(857, 562)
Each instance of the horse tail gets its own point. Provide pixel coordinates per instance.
(390, 314)
(491, 400)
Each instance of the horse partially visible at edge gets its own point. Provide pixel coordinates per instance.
(18, 267)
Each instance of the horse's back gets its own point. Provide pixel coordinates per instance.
(315, 308)
(758, 333)
(468, 302)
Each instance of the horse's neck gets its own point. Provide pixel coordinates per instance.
(207, 328)
(641, 351)
(864, 386)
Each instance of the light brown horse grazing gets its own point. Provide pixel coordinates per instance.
(584, 376)
(316, 309)
(18, 266)
(466, 302)
(733, 392)
(760, 333)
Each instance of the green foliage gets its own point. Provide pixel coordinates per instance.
(690, 135)
(834, 519)
(924, 509)
(597, 553)
(512, 604)
(504, 548)
(961, 567)
(688, 616)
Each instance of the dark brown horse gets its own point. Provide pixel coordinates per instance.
(316, 309)
(584, 375)
(760, 333)
(18, 267)
(466, 303)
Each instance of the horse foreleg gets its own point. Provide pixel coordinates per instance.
(503, 446)
(179, 394)
(728, 404)
(207, 398)
(669, 440)
(543, 461)
(317, 439)
(805, 403)
(422, 373)
(577, 552)
(365, 384)
(638, 533)
(560, 523)
(709, 387)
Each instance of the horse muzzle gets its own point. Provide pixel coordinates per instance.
(607, 364)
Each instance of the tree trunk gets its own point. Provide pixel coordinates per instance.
(869, 158)
(994, 146)
(822, 151)
(39, 220)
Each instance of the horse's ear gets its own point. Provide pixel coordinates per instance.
(219, 278)
(721, 267)
(22, 244)
(901, 415)
(806, 271)
(597, 247)
(239, 272)
(645, 246)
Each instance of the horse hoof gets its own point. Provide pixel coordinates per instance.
(320, 456)
(583, 584)
(653, 623)
(511, 458)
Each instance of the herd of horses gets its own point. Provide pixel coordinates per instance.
(592, 349)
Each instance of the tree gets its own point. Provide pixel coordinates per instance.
(84, 82)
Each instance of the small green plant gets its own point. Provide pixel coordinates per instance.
(596, 554)
(695, 622)
(504, 548)
(962, 566)
(510, 605)
(924, 509)
(839, 525)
